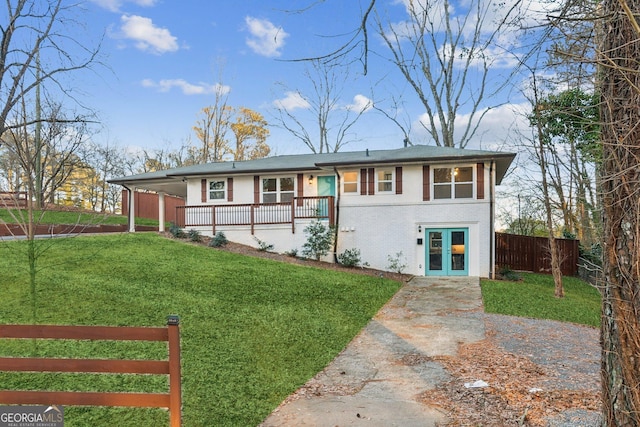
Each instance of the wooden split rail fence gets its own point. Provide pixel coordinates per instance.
(171, 367)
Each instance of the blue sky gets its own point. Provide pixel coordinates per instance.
(165, 58)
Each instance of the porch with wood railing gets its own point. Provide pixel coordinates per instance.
(252, 214)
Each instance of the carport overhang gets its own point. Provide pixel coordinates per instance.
(162, 184)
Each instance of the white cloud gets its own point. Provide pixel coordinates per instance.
(147, 36)
(187, 88)
(266, 39)
(504, 25)
(292, 101)
(114, 5)
(360, 104)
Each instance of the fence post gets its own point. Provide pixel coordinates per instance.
(175, 389)
(252, 218)
(293, 216)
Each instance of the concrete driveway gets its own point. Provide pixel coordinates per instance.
(378, 379)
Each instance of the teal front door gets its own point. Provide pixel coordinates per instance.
(326, 186)
(447, 251)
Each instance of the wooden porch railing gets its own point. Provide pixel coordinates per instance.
(252, 214)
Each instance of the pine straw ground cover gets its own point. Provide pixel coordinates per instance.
(554, 376)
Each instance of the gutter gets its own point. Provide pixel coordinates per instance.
(337, 224)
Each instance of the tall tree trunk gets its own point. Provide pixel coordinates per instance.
(553, 247)
(620, 334)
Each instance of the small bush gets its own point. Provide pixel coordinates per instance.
(176, 231)
(319, 240)
(397, 262)
(218, 240)
(263, 246)
(293, 253)
(195, 236)
(506, 273)
(350, 258)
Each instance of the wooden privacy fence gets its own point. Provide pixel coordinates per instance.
(146, 205)
(171, 367)
(12, 199)
(527, 253)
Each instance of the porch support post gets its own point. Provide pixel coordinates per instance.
(131, 215)
(161, 208)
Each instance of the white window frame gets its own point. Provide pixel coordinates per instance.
(391, 181)
(223, 190)
(278, 191)
(356, 182)
(452, 184)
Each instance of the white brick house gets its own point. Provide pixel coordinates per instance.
(434, 205)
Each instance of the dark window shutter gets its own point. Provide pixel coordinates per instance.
(399, 180)
(203, 190)
(371, 181)
(363, 182)
(426, 183)
(229, 189)
(256, 189)
(480, 180)
(300, 188)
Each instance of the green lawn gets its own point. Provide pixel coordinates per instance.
(64, 217)
(253, 330)
(533, 297)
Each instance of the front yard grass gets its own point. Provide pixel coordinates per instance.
(74, 217)
(253, 330)
(533, 297)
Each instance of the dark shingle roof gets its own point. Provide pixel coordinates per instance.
(306, 162)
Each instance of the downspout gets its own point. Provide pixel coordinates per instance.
(336, 226)
(492, 226)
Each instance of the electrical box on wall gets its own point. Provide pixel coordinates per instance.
(419, 242)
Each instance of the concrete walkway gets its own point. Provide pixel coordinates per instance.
(378, 379)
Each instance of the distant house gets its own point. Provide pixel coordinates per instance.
(430, 208)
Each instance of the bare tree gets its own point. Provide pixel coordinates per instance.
(211, 129)
(30, 31)
(317, 118)
(105, 161)
(541, 139)
(36, 53)
(446, 59)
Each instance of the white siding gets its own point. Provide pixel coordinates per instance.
(380, 225)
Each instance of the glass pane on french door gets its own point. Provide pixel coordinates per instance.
(458, 251)
(435, 250)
